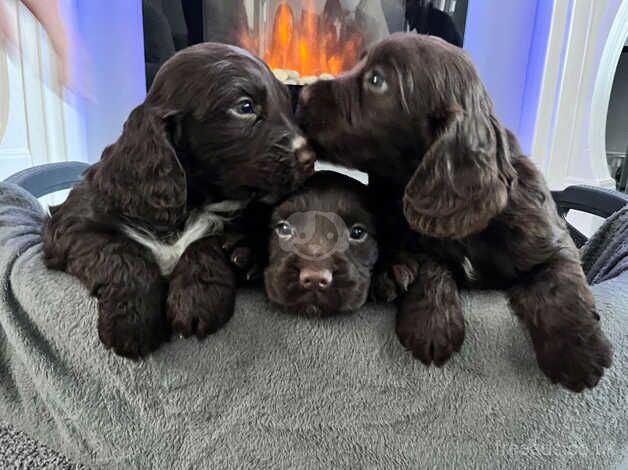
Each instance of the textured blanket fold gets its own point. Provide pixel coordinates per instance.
(605, 255)
(273, 391)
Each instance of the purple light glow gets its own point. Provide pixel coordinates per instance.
(112, 34)
(508, 43)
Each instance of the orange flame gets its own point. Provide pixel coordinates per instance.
(311, 48)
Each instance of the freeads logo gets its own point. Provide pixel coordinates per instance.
(314, 235)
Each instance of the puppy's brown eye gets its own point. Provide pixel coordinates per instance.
(284, 229)
(357, 233)
(245, 107)
(375, 82)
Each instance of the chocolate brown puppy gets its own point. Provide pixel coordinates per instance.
(462, 205)
(323, 247)
(145, 228)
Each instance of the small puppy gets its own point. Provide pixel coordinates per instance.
(462, 206)
(323, 247)
(145, 228)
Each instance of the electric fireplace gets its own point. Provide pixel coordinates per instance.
(302, 43)
(301, 40)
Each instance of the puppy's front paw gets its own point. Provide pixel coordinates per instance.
(132, 328)
(384, 288)
(389, 285)
(575, 358)
(199, 308)
(247, 264)
(431, 336)
(242, 257)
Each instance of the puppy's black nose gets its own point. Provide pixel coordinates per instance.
(302, 150)
(312, 279)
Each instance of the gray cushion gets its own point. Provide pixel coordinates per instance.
(270, 390)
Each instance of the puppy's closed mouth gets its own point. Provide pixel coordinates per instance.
(319, 304)
(311, 310)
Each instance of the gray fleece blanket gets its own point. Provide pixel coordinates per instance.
(605, 255)
(273, 391)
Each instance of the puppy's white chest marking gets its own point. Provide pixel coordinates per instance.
(206, 222)
(469, 270)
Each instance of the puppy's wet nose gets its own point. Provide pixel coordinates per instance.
(305, 156)
(315, 278)
(302, 150)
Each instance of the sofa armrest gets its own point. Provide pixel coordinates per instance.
(49, 178)
(590, 199)
(597, 201)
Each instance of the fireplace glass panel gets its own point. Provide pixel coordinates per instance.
(302, 40)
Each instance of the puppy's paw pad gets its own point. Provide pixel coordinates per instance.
(242, 257)
(575, 360)
(255, 273)
(129, 331)
(403, 276)
(384, 288)
(431, 336)
(199, 309)
(389, 285)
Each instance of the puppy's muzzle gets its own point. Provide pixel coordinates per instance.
(304, 156)
(319, 108)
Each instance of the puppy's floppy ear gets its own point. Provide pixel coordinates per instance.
(464, 178)
(140, 176)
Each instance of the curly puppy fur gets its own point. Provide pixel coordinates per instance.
(144, 229)
(415, 116)
(323, 247)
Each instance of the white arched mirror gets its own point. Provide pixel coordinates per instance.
(617, 124)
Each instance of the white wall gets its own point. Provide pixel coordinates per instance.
(36, 125)
(585, 42)
(555, 98)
